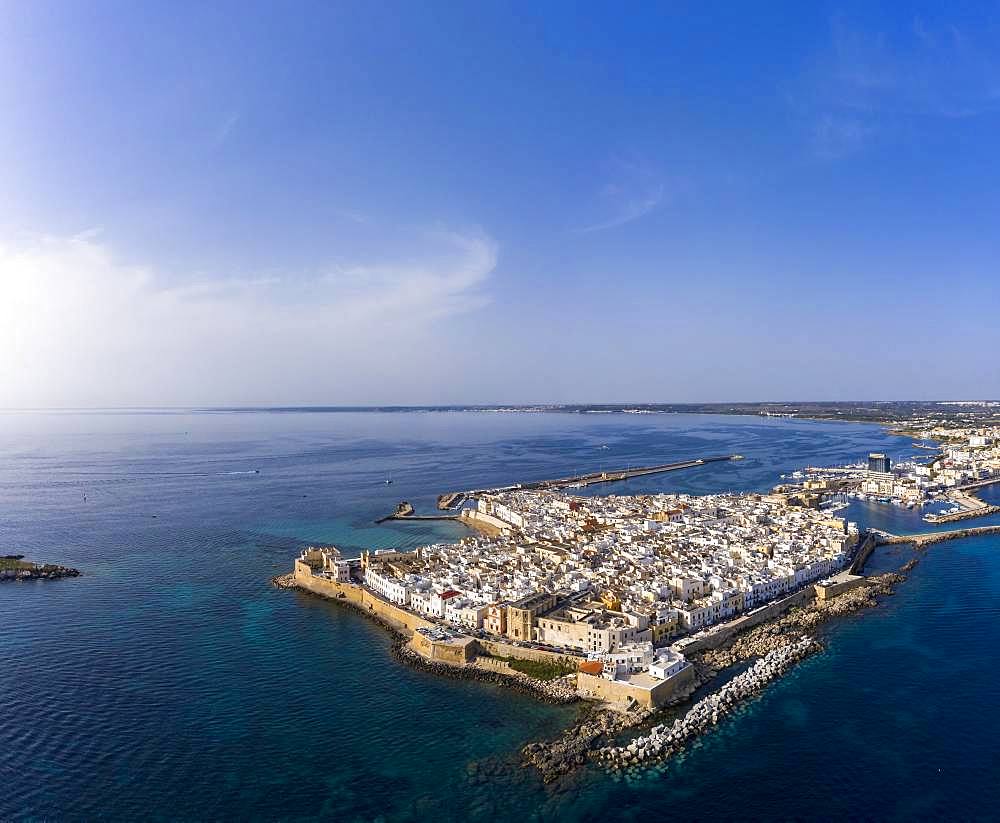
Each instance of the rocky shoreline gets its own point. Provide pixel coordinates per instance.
(767, 637)
(775, 646)
(559, 691)
(557, 758)
(15, 569)
(664, 741)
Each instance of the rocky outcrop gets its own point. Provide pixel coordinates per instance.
(569, 751)
(15, 570)
(560, 690)
(664, 741)
(767, 637)
(284, 581)
(557, 758)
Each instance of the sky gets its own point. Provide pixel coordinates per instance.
(442, 203)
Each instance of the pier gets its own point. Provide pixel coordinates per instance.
(979, 484)
(452, 500)
(930, 538)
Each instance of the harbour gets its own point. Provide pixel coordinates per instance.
(452, 500)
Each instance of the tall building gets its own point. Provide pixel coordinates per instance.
(879, 463)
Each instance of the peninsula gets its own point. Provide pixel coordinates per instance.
(611, 592)
(634, 602)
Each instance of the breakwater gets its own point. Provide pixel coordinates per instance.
(664, 741)
(930, 538)
(451, 500)
(562, 755)
(559, 757)
(965, 514)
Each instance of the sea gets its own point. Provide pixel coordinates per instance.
(173, 682)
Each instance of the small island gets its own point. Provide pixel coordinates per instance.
(14, 568)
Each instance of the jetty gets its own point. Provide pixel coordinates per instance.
(883, 538)
(453, 500)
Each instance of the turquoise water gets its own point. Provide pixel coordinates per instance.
(172, 682)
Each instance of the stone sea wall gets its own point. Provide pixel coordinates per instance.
(561, 690)
(664, 741)
(399, 622)
(392, 615)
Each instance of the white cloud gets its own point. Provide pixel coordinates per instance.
(868, 85)
(636, 190)
(79, 327)
(631, 209)
(838, 136)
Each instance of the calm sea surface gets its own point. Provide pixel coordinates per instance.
(171, 682)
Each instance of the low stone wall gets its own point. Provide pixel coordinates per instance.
(492, 664)
(561, 690)
(839, 588)
(501, 649)
(617, 691)
(486, 523)
(455, 653)
(722, 635)
(400, 619)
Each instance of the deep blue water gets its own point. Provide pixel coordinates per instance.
(172, 682)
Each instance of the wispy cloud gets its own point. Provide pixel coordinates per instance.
(352, 216)
(79, 327)
(634, 190)
(225, 129)
(868, 85)
(837, 136)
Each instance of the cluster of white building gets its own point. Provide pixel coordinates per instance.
(612, 575)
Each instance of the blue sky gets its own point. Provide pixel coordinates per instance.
(450, 203)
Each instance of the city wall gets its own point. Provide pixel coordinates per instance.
(486, 523)
(618, 691)
(398, 618)
(858, 564)
(712, 640)
(408, 623)
(456, 653)
(500, 649)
